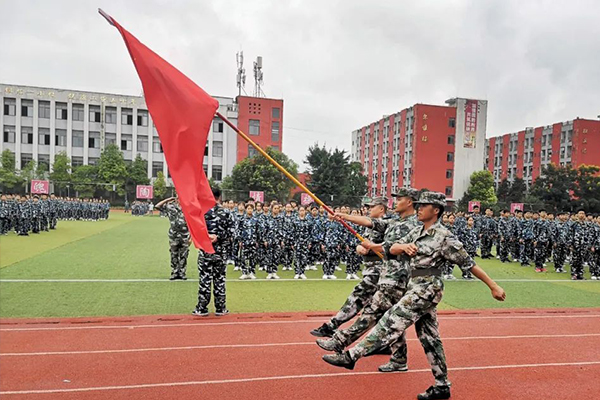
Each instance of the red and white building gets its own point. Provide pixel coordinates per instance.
(425, 146)
(525, 153)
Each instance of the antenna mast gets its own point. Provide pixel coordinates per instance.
(241, 72)
(258, 78)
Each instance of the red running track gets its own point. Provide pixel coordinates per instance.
(493, 354)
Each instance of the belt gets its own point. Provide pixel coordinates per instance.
(426, 272)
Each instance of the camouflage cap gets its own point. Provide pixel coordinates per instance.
(434, 198)
(378, 201)
(407, 192)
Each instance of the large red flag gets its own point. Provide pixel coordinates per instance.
(182, 113)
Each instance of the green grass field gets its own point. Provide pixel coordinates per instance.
(126, 248)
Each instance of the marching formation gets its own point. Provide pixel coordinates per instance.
(25, 214)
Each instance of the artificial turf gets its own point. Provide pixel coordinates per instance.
(127, 247)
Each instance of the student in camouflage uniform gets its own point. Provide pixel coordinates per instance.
(515, 233)
(334, 233)
(316, 238)
(354, 259)
(562, 239)
(391, 287)
(179, 237)
(4, 214)
(212, 268)
(236, 253)
(35, 214)
(287, 251)
(273, 237)
(526, 239)
(504, 240)
(470, 240)
(249, 234)
(302, 231)
(595, 249)
(428, 246)
(541, 232)
(578, 243)
(488, 233)
(24, 213)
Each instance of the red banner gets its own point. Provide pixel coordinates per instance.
(471, 111)
(40, 187)
(258, 196)
(516, 206)
(472, 205)
(305, 199)
(144, 192)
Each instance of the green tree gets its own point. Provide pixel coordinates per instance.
(61, 171)
(503, 191)
(84, 178)
(587, 188)
(257, 173)
(481, 188)
(28, 173)
(137, 174)
(112, 168)
(517, 192)
(41, 171)
(554, 187)
(333, 178)
(9, 178)
(160, 186)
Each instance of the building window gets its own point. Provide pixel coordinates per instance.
(206, 150)
(448, 190)
(44, 162)
(77, 138)
(110, 138)
(156, 147)
(61, 111)
(44, 109)
(26, 108)
(157, 166)
(126, 116)
(76, 161)
(95, 115)
(10, 106)
(26, 158)
(27, 135)
(142, 118)
(452, 122)
(78, 112)
(218, 126)
(110, 117)
(217, 172)
(276, 113)
(251, 151)
(60, 138)
(142, 144)
(94, 140)
(126, 142)
(450, 157)
(275, 131)
(92, 160)
(448, 173)
(9, 134)
(217, 149)
(451, 139)
(254, 126)
(44, 136)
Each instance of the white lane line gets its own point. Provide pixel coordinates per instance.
(250, 280)
(290, 377)
(255, 345)
(315, 320)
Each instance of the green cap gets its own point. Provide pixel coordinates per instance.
(434, 198)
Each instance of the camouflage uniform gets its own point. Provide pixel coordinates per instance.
(273, 235)
(302, 230)
(24, 211)
(249, 233)
(287, 251)
(334, 234)
(354, 260)
(236, 255)
(418, 306)
(487, 235)
(527, 236)
(541, 231)
(4, 216)
(595, 264)
(578, 241)
(317, 236)
(212, 268)
(44, 214)
(562, 239)
(35, 215)
(515, 236)
(179, 239)
(504, 239)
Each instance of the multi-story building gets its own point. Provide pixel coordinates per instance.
(38, 123)
(424, 146)
(524, 154)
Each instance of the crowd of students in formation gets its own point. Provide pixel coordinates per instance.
(304, 238)
(139, 208)
(34, 214)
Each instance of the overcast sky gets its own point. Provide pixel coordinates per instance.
(338, 65)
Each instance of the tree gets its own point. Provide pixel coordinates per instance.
(481, 188)
(257, 173)
(587, 188)
(554, 187)
(333, 178)
(28, 173)
(112, 168)
(137, 174)
(8, 175)
(160, 186)
(518, 191)
(61, 171)
(84, 178)
(503, 191)
(41, 171)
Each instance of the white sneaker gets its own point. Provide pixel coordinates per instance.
(337, 268)
(332, 277)
(296, 276)
(348, 277)
(303, 277)
(275, 276)
(236, 268)
(252, 276)
(355, 277)
(244, 277)
(594, 278)
(269, 276)
(261, 268)
(325, 277)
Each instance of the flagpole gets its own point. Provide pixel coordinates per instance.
(290, 177)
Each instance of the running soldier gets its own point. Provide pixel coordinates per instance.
(179, 237)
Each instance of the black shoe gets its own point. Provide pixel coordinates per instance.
(340, 360)
(183, 278)
(222, 313)
(330, 345)
(435, 392)
(200, 313)
(174, 278)
(393, 367)
(323, 331)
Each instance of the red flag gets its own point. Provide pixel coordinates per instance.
(182, 113)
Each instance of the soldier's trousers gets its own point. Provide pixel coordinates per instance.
(212, 270)
(560, 255)
(539, 253)
(361, 295)
(179, 254)
(248, 259)
(354, 261)
(383, 299)
(486, 245)
(503, 250)
(302, 257)
(236, 253)
(577, 263)
(526, 251)
(418, 306)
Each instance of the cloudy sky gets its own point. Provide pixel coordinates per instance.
(338, 65)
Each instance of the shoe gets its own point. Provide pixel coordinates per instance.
(544, 265)
(337, 268)
(303, 277)
(340, 360)
(325, 277)
(200, 313)
(244, 277)
(538, 269)
(323, 331)
(435, 392)
(348, 277)
(393, 367)
(330, 345)
(183, 278)
(355, 277)
(269, 276)
(332, 277)
(222, 313)
(543, 269)
(173, 278)
(252, 276)
(261, 269)
(236, 268)
(468, 278)
(275, 276)
(296, 276)
(573, 278)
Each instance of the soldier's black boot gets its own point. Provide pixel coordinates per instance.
(323, 331)
(340, 360)
(435, 392)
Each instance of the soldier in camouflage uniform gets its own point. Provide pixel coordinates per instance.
(236, 252)
(562, 239)
(35, 214)
(541, 231)
(391, 286)
(429, 247)
(317, 236)
(354, 259)
(515, 233)
(212, 268)
(179, 237)
(578, 243)
(44, 213)
(488, 233)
